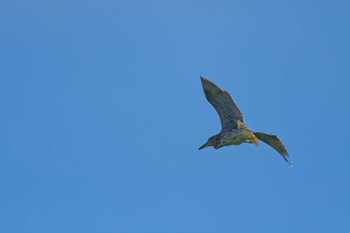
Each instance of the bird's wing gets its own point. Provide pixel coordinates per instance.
(223, 104)
(275, 143)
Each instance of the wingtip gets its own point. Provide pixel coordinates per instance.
(207, 82)
(204, 80)
(285, 156)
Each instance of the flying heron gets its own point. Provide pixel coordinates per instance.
(233, 129)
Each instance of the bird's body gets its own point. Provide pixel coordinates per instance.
(234, 131)
(234, 137)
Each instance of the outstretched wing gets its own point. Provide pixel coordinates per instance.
(275, 143)
(223, 104)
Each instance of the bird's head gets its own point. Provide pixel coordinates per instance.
(211, 142)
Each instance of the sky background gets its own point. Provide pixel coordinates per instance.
(103, 112)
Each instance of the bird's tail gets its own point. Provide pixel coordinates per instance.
(275, 143)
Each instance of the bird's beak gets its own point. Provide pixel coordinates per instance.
(204, 146)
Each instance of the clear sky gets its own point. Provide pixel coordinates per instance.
(103, 112)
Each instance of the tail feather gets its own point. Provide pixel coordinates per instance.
(274, 142)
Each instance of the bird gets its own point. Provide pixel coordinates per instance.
(233, 129)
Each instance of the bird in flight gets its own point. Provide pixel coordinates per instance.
(233, 129)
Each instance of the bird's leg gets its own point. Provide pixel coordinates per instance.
(248, 135)
(253, 139)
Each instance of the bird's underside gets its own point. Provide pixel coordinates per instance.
(233, 129)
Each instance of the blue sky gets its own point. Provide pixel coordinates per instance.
(103, 114)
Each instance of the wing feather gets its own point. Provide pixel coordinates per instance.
(275, 143)
(224, 105)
